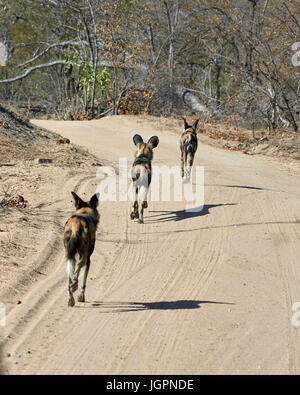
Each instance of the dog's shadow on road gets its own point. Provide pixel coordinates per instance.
(166, 216)
(125, 307)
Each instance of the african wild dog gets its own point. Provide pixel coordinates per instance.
(188, 147)
(141, 174)
(79, 238)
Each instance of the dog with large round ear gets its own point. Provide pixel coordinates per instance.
(153, 142)
(194, 127)
(137, 140)
(79, 240)
(188, 147)
(94, 201)
(186, 125)
(79, 203)
(141, 174)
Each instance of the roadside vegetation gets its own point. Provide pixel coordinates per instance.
(231, 61)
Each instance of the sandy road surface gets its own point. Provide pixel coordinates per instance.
(210, 292)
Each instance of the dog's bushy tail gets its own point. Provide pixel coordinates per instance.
(190, 148)
(72, 248)
(190, 154)
(135, 174)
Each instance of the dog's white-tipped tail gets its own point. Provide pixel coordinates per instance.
(70, 267)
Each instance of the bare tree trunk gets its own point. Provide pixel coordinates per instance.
(219, 64)
(172, 27)
(94, 59)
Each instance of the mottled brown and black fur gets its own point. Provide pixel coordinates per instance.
(188, 147)
(79, 240)
(141, 174)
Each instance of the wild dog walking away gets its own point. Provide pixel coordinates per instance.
(141, 174)
(188, 147)
(79, 240)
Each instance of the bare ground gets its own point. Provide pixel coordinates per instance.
(27, 191)
(282, 145)
(210, 292)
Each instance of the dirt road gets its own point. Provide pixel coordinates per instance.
(185, 293)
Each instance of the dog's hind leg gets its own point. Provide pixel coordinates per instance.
(144, 204)
(71, 302)
(190, 161)
(135, 208)
(182, 161)
(80, 264)
(185, 154)
(81, 297)
(70, 271)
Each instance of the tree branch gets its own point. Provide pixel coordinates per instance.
(62, 44)
(30, 70)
